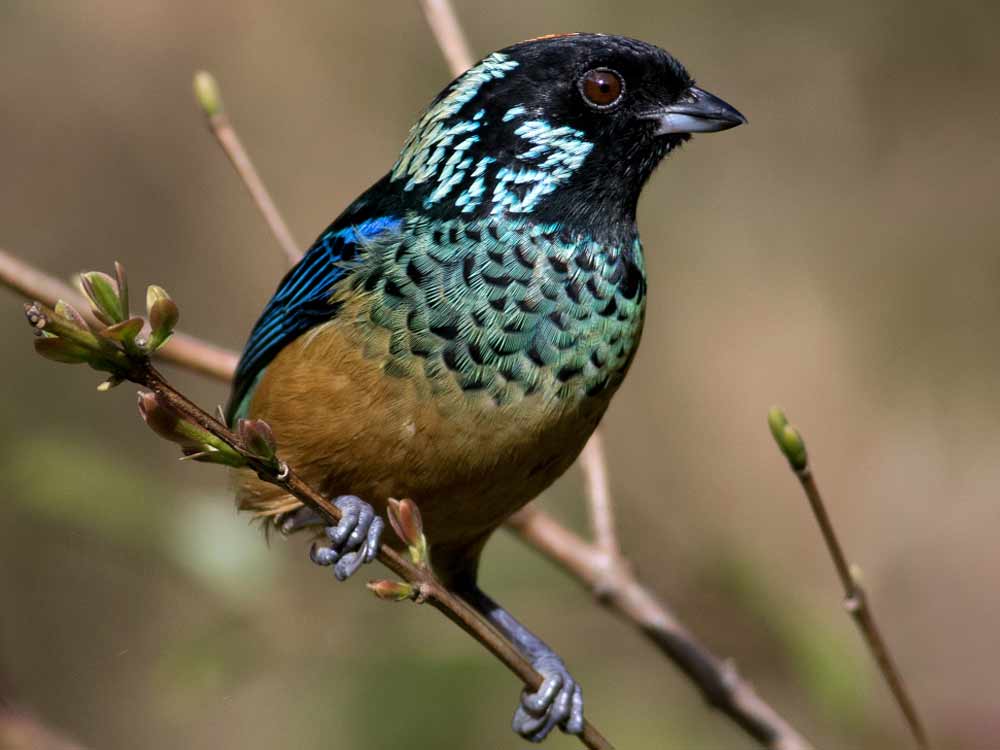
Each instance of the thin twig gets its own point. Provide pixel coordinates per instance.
(207, 93)
(597, 487)
(621, 592)
(19, 729)
(442, 19)
(855, 598)
(856, 603)
(182, 350)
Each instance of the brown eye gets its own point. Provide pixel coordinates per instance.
(601, 87)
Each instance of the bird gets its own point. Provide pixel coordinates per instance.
(457, 333)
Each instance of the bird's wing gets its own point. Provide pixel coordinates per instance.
(303, 299)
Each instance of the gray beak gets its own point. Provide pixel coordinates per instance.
(697, 111)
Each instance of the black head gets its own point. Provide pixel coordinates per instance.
(560, 129)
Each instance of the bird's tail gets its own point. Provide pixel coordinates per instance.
(266, 502)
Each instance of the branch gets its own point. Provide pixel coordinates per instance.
(115, 346)
(207, 93)
(448, 32)
(594, 463)
(21, 731)
(855, 598)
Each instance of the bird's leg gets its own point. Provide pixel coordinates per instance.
(353, 541)
(559, 700)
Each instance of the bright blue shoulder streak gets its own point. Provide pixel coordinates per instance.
(302, 301)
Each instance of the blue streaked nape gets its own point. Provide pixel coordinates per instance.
(443, 156)
(429, 139)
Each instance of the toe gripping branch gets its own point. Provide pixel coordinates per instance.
(354, 541)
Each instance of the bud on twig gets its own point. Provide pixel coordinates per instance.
(163, 316)
(125, 333)
(113, 382)
(122, 288)
(71, 315)
(393, 591)
(103, 293)
(113, 344)
(79, 343)
(788, 439)
(197, 443)
(206, 91)
(258, 438)
(62, 350)
(409, 527)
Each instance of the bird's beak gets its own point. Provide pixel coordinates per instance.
(697, 111)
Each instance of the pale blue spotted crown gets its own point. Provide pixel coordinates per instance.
(439, 153)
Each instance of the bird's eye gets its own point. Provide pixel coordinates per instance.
(602, 87)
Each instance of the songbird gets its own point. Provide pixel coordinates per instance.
(457, 333)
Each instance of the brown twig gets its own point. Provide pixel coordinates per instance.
(19, 730)
(448, 32)
(855, 598)
(597, 487)
(207, 93)
(856, 603)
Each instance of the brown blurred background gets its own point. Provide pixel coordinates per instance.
(838, 256)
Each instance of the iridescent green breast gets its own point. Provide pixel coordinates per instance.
(501, 307)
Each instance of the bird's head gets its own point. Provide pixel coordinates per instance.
(563, 128)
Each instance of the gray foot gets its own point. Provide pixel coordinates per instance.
(353, 542)
(557, 703)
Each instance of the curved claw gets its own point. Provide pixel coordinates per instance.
(354, 541)
(558, 702)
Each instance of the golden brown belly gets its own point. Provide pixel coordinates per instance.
(350, 428)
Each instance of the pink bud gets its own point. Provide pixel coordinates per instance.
(406, 521)
(394, 591)
(163, 420)
(257, 436)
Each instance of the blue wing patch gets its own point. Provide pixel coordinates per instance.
(301, 302)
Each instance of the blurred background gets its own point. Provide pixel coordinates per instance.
(839, 256)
